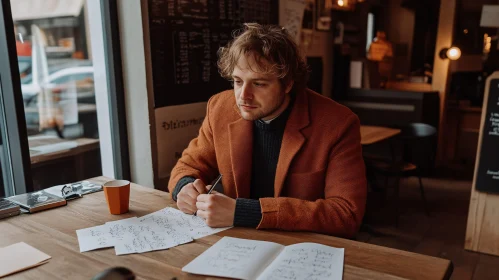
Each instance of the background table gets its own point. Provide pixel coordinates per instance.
(373, 134)
(53, 232)
(83, 145)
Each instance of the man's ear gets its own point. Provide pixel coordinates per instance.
(289, 86)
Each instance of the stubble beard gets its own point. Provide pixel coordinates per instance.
(263, 115)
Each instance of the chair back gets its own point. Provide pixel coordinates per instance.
(420, 146)
(418, 131)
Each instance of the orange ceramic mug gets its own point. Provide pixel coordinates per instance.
(117, 195)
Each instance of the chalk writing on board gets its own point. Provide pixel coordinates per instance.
(185, 37)
(494, 124)
(494, 174)
(486, 176)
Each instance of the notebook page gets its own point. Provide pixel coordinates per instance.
(234, 258)
(306, 261)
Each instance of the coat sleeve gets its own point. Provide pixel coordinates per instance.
(340, 213)
(198, 160)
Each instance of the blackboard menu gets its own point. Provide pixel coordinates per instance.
(487, 177)
(185, 37)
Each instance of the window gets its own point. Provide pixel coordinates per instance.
(6, 187)
(56, 48)
(370, 30)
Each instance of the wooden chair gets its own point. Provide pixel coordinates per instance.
(418, 143)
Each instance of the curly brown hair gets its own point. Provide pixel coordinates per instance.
(272, 44)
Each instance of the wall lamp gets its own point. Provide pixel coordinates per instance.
(452, 53)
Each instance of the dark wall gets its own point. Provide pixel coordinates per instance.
(393, 108)
(425, 33)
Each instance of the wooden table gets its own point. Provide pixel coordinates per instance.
(374, 134)
(84, 145)
(53, 232)
(82, 108)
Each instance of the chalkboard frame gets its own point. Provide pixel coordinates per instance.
(481, 230)
(487, 152)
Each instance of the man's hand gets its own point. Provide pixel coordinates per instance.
(216, 209)
(186, 198)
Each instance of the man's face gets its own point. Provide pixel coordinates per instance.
(258, 96)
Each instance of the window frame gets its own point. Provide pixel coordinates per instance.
(116, 89)
(17, 166)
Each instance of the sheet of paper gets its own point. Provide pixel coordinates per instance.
(88, 187)
(160, 230)
(136, 236)
(171, 218)
(94, 238)
(55, 190)
(234, 258)
(291, 17)
(121, 229)
(103, 236)
(306, 261)
(146, 240)
(20, 256)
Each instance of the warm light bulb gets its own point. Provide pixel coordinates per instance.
(454, 53)
(341, 3)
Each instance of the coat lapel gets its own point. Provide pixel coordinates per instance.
(241, 150)
(292, 140)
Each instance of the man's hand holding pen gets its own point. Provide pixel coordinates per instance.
(187, 197)
(215, 208)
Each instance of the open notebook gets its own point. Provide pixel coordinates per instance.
(251, 259)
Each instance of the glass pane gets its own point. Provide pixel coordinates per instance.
(370, 30)
(53, 41)
(6, 187)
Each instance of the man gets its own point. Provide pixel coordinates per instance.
(290, 158)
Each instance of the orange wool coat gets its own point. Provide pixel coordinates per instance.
(320, 182)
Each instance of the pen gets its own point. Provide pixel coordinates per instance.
(215, 184)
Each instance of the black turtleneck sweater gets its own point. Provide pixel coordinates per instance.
(267, 140)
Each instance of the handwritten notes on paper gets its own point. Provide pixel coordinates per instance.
(173, 219)
(250, 259)
(234, 258)
(160, 230)
(291, 17)
(306, 261)
(94, 238)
